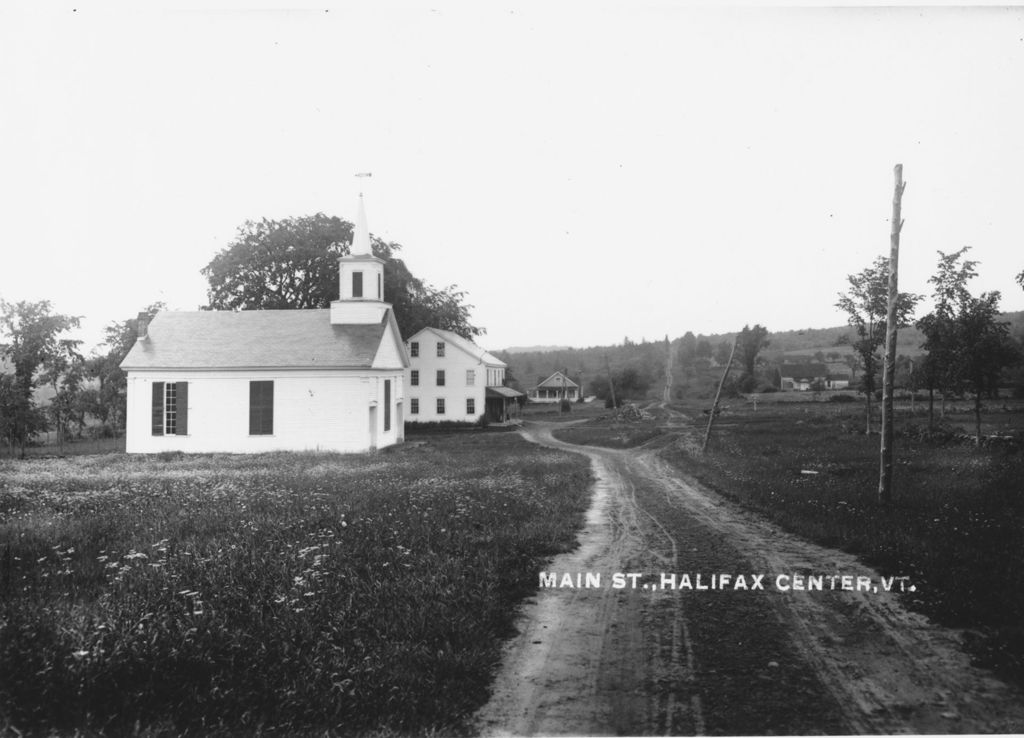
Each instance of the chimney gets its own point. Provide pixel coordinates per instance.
(143, 326)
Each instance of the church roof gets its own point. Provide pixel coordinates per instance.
(216, 339)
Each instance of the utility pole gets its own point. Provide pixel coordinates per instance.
(714, 407)
(669, 355)
(889, 368)
(611, 382)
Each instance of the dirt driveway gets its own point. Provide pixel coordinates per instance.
(666, 656)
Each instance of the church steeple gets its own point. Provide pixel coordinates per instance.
(361, 232)
(360, 279)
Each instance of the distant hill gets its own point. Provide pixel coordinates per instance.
(529, 365)
(808, 341)
(534, 349)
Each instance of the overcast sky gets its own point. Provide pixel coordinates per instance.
(585, 171)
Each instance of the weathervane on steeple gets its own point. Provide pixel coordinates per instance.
(363, 174)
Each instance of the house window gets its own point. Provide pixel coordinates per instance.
(357, 284)
(414, 406)
(440, 406)
(414, 348)
(387, 405)
(440, 348)
(470, 377)
(414, 377)
(440, 377)
(261, 408)
(470, 406)
(170, 408)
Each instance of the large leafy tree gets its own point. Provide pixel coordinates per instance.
(866, 306)
(949, 285)
(749, 343)
(967, 345)
(33, 340)
(292, 264)
(107, 401)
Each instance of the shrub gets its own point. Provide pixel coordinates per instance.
(565, 405)
(769, 389)
(842, 398)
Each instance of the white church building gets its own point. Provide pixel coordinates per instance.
(274, 380)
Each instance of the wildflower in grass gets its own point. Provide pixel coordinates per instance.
(81, 654)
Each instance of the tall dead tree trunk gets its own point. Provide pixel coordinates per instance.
(889, 368)
(669, 356)
(611, 382)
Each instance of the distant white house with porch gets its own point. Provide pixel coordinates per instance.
(450, 378)
(555, 388)
(272, 380)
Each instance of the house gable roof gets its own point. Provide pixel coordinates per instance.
(463, 344)
(555, 380)
(220, 339)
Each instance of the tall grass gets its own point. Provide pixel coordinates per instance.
(283, 592)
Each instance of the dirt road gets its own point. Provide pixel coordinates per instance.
(665, 659)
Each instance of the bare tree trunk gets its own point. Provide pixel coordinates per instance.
(867, 411)
(977, 417)
(889, 367)
(718, 394)
(931, 408)
(611, 382)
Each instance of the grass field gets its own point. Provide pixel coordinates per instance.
(956, 527)
(363, 594)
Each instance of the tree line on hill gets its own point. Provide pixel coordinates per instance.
(963, 346)
(283, 264)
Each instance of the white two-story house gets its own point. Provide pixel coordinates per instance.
(452, 379)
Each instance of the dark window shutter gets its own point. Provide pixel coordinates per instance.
(357, 284)
(268, 408)
(379, 295)
(387, 404)
(181, 407)
(254, 408)
(261, 408)
(158, 408)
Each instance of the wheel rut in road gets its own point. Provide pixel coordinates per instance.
(604, 661)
